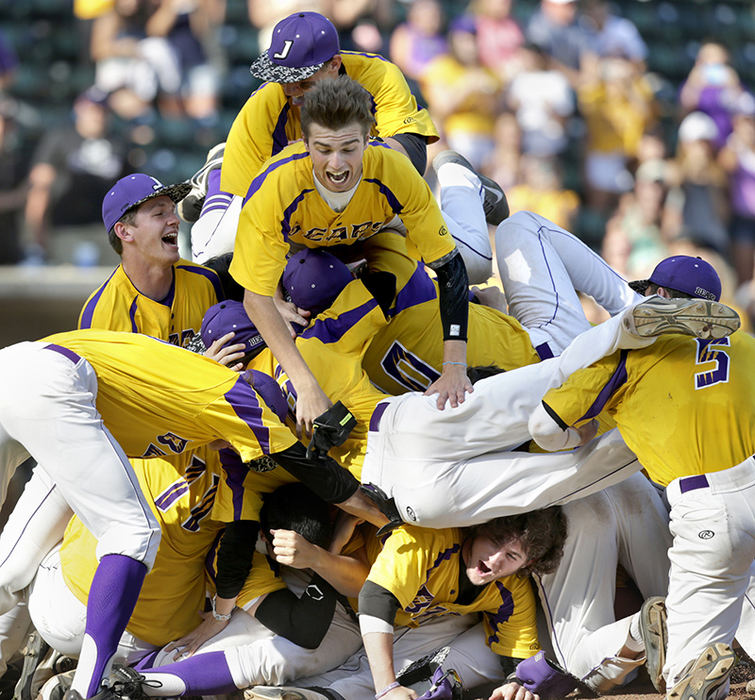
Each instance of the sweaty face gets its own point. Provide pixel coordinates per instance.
(337, 155)
(155, 230)
(486, 561)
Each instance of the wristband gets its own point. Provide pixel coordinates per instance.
(462, 364)
(387, 690)
(220, 617)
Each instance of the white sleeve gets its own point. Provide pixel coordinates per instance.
(547, 433)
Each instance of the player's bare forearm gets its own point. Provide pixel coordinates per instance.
(311, 400)
(379, 649)
(453, 383)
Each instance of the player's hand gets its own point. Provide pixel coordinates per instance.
(291, 549)
(401, 693)
(451, 386)
(491, 296)
(228, 355)
(310, 403)
(291, 314)
(513, 691)
(189, 643)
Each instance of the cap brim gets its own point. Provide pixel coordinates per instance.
(639, 286)
(264, 69)
(175, 192)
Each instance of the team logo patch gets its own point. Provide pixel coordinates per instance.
(706, 534)
(410, 514)
(442, 231)
(314, 592)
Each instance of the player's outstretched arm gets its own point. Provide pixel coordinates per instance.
(311, 399)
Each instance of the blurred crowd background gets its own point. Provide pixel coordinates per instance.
(630, 123)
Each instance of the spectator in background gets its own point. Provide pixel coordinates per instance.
(128, 61)
(542, 190)
(8, 62)
(416, 42)
(610, 35)
(72, 170)
(12, 186)
(712, 87)
(358, 23)
(555, 30)
(543, 101)
(188, 27)
(737, 158)
(502, 163)
(264, 14)
(499, 37)
(462, 95)
(618, 105)
(697, 206)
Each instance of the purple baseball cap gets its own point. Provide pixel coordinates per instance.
(270, 392)
(230, 316)
(684, 273)
(314, 278)
(301, 44)
(133, 190)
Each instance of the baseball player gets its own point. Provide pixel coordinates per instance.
(672, 403)
(341, 191)
(304, 51)
(89, 399)
(426, 583)
(152, 291)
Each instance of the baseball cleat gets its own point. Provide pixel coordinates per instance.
(707, 677)
(695, 317)
(269, 692)
(57, 687)
(655, 638)
(34, 651)
(494, 204)
(190, 206)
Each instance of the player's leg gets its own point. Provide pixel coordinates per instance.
(15, 626)
(746, 629)
(542, 266)
(462, 196)
(214, 233)
(63, 431)
(35, 525)
(712, 521)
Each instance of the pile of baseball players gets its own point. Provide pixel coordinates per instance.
(314, 456)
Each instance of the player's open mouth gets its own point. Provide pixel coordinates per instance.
(482, 568)
(338, 178)
(170, 238)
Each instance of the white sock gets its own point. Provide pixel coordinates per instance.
(634, 638)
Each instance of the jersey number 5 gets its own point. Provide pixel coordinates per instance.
(707, 354)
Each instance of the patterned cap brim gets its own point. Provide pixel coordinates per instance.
(639, 286)
(175, 192)
(264, 69)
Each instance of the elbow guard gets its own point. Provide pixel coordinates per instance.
(453, 295)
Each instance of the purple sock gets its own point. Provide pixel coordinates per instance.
(215, 198)
(112, 597)
(203, 674)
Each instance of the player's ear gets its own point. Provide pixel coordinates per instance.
(334, 65)
(122, 231)
(663, 292)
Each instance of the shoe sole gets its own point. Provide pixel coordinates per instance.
(710, 672)
(33, 652)
(190, 206)
(495, 206)
(702, 319)
(655, 638)
(273, 694)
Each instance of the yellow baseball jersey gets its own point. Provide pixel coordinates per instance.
(180, 491)
(683, 405)
(406, 354)
(333, 347)
(283, 207)
(158, 399)
(267, 123)
(421, 567)
(119, 306)
(240, 491)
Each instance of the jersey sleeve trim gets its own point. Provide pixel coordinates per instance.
(419, 289)
(556, 418)
(280, 140)
(243, 399)
(331, 330)
(88, 313)
(132, 314)
(235, 473)
(211, 275)
(257, 182)
(617, 379)
(393, 202)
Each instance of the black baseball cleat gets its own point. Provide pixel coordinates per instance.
(495, 205)
(191, 205)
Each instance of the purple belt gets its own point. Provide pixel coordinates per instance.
(691, 483)
(544, 351)
(377, 414)
(70, 354)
